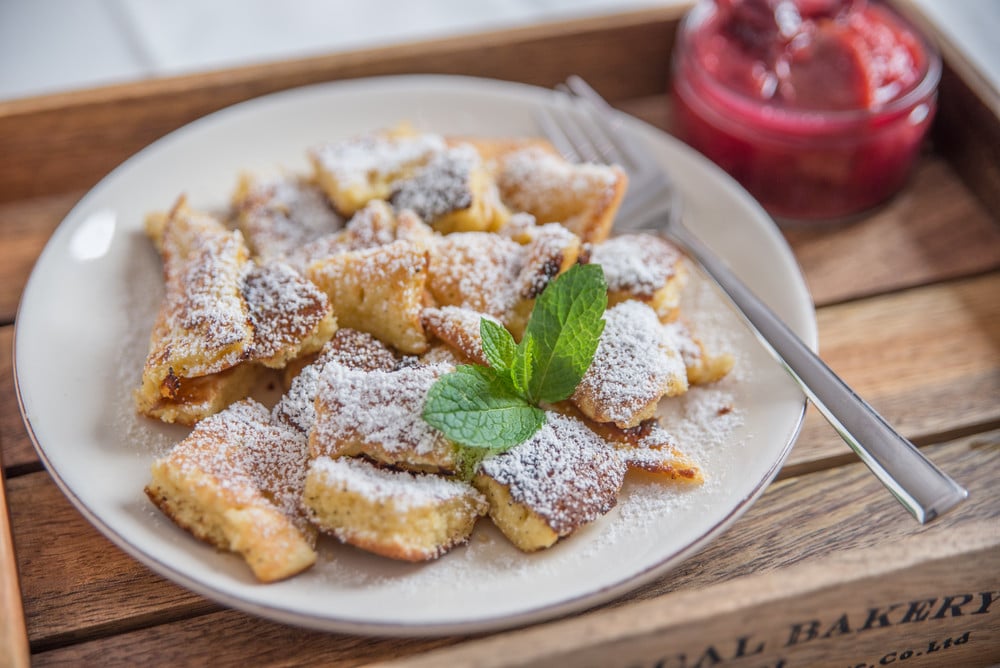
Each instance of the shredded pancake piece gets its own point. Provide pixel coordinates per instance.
(636, 364)
(397, 514)
(563, 477)
(235, 482)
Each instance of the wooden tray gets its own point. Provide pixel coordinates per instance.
(825, 568)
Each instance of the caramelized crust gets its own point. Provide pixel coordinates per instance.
(291, 317)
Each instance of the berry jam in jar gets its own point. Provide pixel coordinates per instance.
(818, 107)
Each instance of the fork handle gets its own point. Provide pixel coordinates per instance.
(920, 486)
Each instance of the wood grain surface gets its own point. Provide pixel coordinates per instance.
(908, 312)
(14, 652)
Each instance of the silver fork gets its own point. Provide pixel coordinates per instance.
(588, 129)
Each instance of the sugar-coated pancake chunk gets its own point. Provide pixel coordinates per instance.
(355, 171)
(290, 316)
(453, 192)
(636, 364)
(644, 267)
(378, 414)
(279, 213)
(397, 514)
(378, 290)
(235, 482)
(584, 198)
(563, 477)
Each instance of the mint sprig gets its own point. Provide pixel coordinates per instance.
(496, 407)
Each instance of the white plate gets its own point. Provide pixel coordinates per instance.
(85, 318)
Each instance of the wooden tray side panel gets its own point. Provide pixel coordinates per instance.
(70, 141)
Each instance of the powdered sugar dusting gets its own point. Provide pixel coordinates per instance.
(377, 408)
(279, 213)
(633, 365)
(476, 270)
(564, 472)
(530, 177)
(441, 186)
(400, 489)
(248, 454)
(352, 162)
(284, 308)
(637, 263)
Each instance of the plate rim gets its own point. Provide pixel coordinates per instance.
(549, 612)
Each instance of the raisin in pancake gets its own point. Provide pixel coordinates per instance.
(453, 192)
(235, 482)
(400, 515)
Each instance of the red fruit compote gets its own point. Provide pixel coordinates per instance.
(818, 107)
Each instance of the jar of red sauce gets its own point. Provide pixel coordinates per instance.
(818, 107)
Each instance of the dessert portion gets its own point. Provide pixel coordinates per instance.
(222, 315)
(357, 321)
(397, 514)
(236, 482)
(563, 477)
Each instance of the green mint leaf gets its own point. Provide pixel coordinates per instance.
(498, 345)
(566, 325)
(521, 368)
(473, 406)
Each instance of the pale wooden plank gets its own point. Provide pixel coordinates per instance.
(925, 603)
(926, 359)
(796, 520)
(934, 230)
(13, 633)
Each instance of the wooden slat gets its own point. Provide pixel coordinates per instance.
(926, 603)
(798, 520)
(75, 582)
(71, 140)
(13, 633)
(926, 359)
(25, 226)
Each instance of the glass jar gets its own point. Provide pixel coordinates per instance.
(818, 108)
